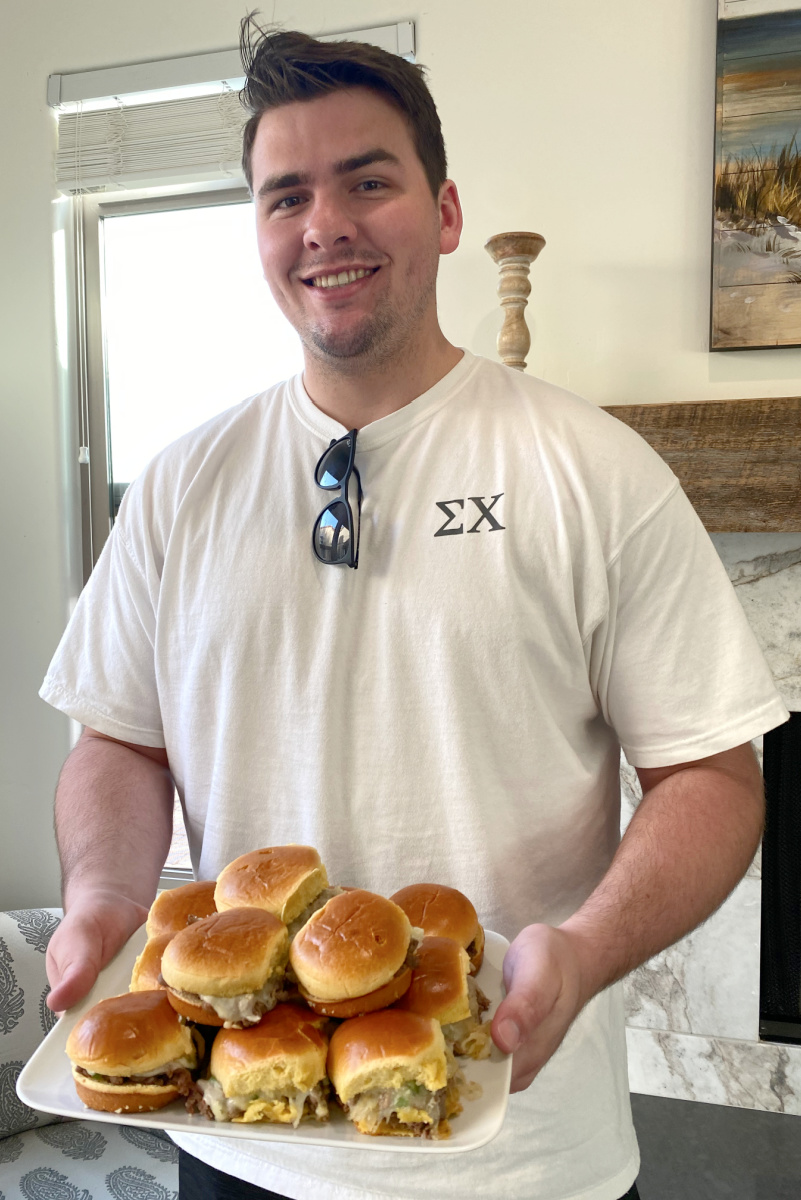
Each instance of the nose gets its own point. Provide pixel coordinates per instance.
(328, 225)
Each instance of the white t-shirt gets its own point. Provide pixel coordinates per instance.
(533, 591)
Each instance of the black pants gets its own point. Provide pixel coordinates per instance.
(197, 1181)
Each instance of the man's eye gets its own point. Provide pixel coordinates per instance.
(371, 185)
(288, 202)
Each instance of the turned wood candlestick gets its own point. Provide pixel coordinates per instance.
(514, 253)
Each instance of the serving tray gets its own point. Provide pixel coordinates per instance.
(46, 1080)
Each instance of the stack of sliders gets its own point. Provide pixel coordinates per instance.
(229, 955)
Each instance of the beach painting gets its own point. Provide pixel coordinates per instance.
(756, 252)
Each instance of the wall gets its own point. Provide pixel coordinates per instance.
(591, 124)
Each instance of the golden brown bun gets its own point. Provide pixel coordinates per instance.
(171, 910)
(123, 1098)
(200, 1013)
(385, 1050)
(147, 968)
(353, 945)
(284, 1050)
(439, 981)
(283, 880)
(357, 1006)
(133, 1034)
(227, 954)
(442, 912)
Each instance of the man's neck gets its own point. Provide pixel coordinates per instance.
(358, 393)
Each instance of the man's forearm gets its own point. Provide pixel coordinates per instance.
(689, 842)
(113, 819)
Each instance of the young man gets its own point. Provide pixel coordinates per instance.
(507, 587)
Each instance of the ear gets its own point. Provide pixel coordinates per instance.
(450, 217)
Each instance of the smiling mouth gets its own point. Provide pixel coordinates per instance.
(340, 279)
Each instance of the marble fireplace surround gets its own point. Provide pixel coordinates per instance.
(693, 1010)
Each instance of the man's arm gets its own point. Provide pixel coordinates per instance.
(690, 841)
(114, 804)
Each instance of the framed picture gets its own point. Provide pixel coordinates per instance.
(756, 250)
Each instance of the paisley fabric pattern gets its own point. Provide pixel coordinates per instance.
(46, 1184)
(129, 1183)
(74, 1139)
(156, 1145)
(61, 1159)
(37, 926)
(11, 1148)
(14, 1115)
(12, 997)
(47, 1018)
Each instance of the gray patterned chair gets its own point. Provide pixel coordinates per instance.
(43, 1157)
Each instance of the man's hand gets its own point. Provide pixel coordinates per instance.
(96, 925)
(542, 976)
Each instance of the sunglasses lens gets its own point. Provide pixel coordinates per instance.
(333, 466)
(332, 534)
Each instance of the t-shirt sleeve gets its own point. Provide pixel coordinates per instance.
(103, 672)
(675, 666)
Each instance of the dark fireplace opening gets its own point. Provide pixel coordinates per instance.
(780, 970)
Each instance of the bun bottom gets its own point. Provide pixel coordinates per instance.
(118, 1098)
(201, 1014)
(358, 1006)
(437, 1132)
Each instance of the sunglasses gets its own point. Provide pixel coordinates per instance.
(335, 538)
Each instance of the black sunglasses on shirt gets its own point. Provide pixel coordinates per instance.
(335, 537)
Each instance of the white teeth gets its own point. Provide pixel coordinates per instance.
(329, 281)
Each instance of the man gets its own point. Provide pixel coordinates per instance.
(531, 591)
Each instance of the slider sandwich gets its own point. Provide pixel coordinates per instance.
(131, 1054)
(288, 881)
(178, 907)
(444, 912)
(146, 974)
(393, 1075)
(442, 988)
(274, 1071)
(354, 955)
(227, 969)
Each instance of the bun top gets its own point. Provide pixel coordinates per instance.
(285, 1050)
(226, 954)
(351, 946)
(283, 880)
(439, 982)
(171, 910)
(147, 968)
(439, 911)
(133, 1034)
(385, 1050)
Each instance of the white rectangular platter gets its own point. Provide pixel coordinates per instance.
(46, 1081)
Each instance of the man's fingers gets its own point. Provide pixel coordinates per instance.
(89, 936)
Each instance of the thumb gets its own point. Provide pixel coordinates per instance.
(533, 982)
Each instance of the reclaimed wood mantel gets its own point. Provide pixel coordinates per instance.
(739, 461)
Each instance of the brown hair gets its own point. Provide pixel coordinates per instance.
(282, 67)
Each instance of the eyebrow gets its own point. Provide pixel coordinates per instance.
(277, 183)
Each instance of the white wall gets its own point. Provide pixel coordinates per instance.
(591, 124)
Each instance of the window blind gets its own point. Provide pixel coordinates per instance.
(144, 145)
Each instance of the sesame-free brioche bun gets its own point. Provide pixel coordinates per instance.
(283, 880)
(147, 968)
(226, 954)
(444, 912)
(284, 1050)
(386, 1050)
(355, 944)
(134, 1035)
(439, 982)
(176, 908)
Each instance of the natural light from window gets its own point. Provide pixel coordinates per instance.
(190, 325)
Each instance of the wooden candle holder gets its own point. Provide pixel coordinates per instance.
(514, 253)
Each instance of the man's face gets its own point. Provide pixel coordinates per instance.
(349, 233)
